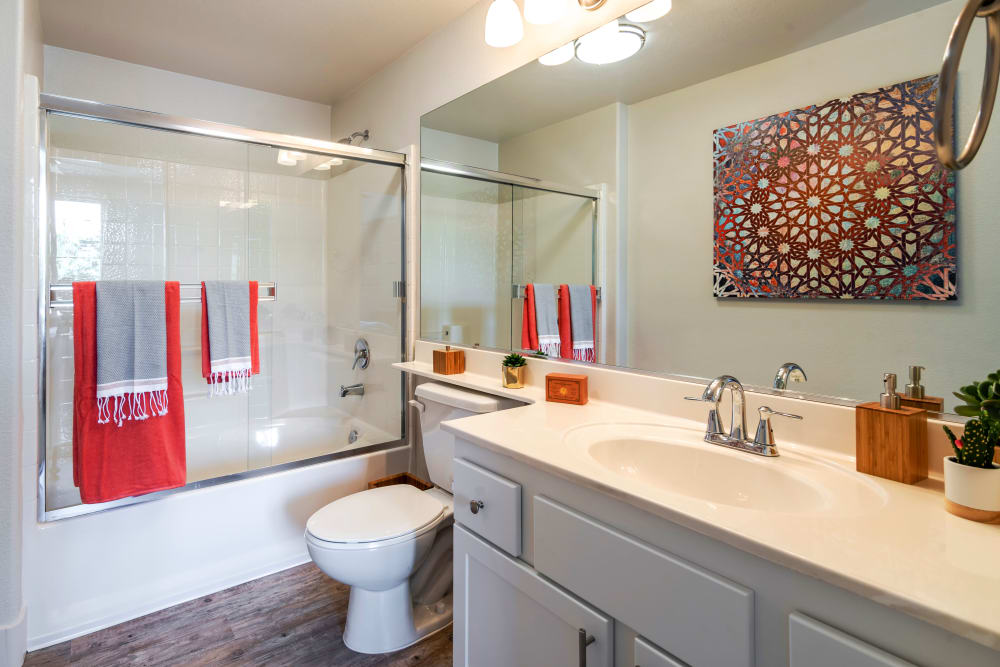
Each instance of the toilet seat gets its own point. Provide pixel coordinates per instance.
(376, 515)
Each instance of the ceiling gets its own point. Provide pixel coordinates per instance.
(316, 50)
(698, 40)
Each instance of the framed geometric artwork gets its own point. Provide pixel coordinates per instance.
(841, 200)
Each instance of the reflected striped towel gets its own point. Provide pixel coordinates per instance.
(131, 351)
(547, 319)
(229, 331)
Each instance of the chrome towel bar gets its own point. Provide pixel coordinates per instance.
(944, 114)
(61, 294)
(517, 291)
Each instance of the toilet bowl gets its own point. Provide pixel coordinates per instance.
(392, 544)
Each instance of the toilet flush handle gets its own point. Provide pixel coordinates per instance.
(418, 405)
(476, 505)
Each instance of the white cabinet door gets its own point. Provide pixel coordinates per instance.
(815, 644)
(506, 614)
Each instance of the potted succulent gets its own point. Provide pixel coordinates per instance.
(513, 367)
(971, 479)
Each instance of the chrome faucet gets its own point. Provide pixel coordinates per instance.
(763, 442)
(352, 390)
(362, 354)
(789, 371)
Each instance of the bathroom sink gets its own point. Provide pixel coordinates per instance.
(677, 461)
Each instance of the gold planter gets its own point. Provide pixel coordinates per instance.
(513, 377)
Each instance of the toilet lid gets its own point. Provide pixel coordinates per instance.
(375, 514)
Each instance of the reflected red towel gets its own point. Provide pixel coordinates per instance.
(111, 462)
(206, 354)
(565, 322)
(529, 328)
(565, 326)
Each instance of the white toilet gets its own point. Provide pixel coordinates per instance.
(392, 545)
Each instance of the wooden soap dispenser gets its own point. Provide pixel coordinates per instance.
(916, 396)
(891, 438)
(449, 361)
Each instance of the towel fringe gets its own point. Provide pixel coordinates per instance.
(224, 383)
(131, 407)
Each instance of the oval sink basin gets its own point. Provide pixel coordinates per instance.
(678, 461)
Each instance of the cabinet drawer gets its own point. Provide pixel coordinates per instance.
(496, 501)
(647, 655)
(696, 615)
(815, 644)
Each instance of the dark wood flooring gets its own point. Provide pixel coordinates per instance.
(295, 617)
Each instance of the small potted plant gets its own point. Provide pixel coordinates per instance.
(513, 368)
(971, 479)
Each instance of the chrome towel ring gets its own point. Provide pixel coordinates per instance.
(944, 114)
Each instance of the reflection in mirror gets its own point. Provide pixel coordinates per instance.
(767, 202)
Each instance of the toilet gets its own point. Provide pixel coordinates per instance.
(392, 545)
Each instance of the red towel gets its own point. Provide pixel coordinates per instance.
(111, 462)
(565, 323)
(529, 327)
(206, 358)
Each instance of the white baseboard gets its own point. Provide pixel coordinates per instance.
(205, 588)
(14, 641)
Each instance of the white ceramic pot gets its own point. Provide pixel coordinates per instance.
(972, 493)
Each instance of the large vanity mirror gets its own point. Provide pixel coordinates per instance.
(765, 197)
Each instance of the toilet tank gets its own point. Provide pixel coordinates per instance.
(443, 402)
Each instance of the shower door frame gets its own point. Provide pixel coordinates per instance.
(594, 194)
(98, 111)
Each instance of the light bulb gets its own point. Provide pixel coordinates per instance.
(605, 46)
(285, 158)
(561, 55)
(503, 24)
(650, 11)
(544, 12)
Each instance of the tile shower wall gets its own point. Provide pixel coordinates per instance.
(204, 209)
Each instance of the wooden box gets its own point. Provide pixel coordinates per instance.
(891, 443)
(566, 388)
(449, 361)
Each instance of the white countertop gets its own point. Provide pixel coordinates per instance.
(909, 554)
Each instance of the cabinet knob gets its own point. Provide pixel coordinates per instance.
(476, 505)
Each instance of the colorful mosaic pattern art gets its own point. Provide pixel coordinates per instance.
(843, 200)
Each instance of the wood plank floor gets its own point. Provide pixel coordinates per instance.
(295, 617)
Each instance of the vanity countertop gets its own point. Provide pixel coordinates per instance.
(909, 554)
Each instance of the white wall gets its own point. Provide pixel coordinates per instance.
(844, 347)
(459, 148)
(88, 572)
(89, 77)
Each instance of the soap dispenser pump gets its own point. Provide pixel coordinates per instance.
(915, 396)
(891, 438)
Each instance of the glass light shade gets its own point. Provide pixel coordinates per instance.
(544, 12)
(559, 56)
(503, 24)
(650, 11)
(285, 158)
(604, 46)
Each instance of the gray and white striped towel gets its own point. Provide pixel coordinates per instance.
(227, 303)
(547, 319)
(131, 351)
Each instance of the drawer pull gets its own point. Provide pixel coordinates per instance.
(476, 505)
(585, 641)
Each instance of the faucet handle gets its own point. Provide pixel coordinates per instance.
(765, 434)
(714, 426)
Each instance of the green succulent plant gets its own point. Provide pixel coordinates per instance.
(514, 361)
(975, 447)
(980, 397)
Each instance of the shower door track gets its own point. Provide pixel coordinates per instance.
(99, 111)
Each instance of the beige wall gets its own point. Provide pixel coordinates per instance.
(452, 147)
(676, 323)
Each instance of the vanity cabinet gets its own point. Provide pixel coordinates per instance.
(650, 591)
(512, 616)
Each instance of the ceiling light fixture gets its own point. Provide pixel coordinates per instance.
(559, 56)
(285, 158)
(611, 43)
(503, 24)
(325, 166)
(650, 11)
(544, 12)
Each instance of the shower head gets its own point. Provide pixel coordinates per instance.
(350, 140)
